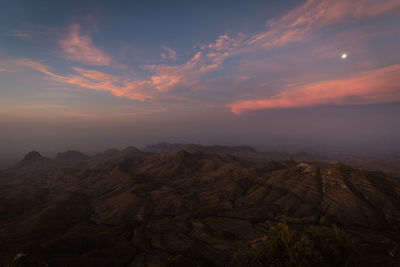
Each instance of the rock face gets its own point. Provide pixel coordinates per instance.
(187, 208)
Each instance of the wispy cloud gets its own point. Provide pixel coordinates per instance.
(119, 86)
(168, 54)
(6, 70)
(239, 79)
(315, 14)
(80, 48)
(96, 80)
(37, 66)
(111, 115)
(376, 86)
(225, 42)
(44, 106)
(210, 58)
(20, 34)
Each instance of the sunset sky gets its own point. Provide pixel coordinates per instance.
(89, 75)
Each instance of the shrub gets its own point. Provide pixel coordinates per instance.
(334, 244)
(284, 246)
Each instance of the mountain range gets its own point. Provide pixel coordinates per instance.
(186, 205)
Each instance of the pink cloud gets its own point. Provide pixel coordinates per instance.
(168, 78)
(118, 86)
(110, 115)
(80, 48)
(376, 86)
(293, 26)
(84, 115)
(240, 79)
(39, 67)
(308, 17)
(96, 80)
(225, 42)
(168, 54)
(20, 34)
(315, 14)
(6, 70)
(44, 106)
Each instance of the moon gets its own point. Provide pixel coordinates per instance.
(344, 55)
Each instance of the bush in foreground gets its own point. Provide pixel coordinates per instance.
(283, 246)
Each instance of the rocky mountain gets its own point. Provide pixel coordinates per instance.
(188, 208)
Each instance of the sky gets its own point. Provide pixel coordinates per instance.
(88, 75)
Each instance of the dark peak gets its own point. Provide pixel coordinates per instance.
(336, 163)
(164, 147)
(182, 154)
(72, 155)
(111, 151)
(130, 149)
(273, 166)
(214, 149)
(232, 148)
(33, 156)
(195, 151)
(289, 161)
(186, 154)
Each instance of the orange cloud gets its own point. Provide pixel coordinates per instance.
(80, 48)
(376, 86)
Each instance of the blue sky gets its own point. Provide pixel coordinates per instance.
(256, 72)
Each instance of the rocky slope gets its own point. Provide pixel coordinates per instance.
(189, 208)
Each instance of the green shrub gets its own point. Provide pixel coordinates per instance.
(283, 246)
(334, 244)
